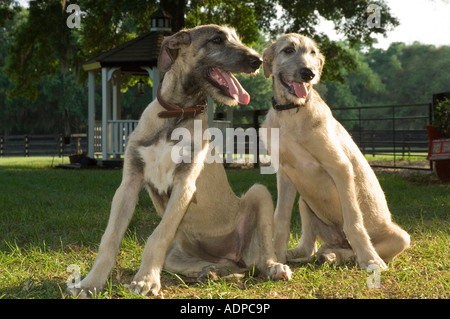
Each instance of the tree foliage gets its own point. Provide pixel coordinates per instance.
(402, 74)
(248, 17)
(8, 9)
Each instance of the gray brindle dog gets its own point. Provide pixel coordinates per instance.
(341, 201)
(205, 227)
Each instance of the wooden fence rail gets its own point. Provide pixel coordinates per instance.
(394, 130)
(41, 145)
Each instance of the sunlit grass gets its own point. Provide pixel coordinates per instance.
(52, 218)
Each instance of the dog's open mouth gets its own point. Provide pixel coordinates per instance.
(298, 89)
(228, 84)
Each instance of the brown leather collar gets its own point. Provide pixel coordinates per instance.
(176, 111)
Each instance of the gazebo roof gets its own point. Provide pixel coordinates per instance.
(131, 55)
(160, 13)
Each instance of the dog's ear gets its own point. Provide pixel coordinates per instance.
(321, 60)
(170, 48)
(268, 59)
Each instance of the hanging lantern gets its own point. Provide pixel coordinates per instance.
(141, 87)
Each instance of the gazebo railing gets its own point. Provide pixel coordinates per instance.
(119, 130)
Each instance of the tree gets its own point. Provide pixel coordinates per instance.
(411, 74)
(248, 17)
(8, 8)
(56, 94)
(259, 88)
(176, 8)
(39, 48)
(349, 19)
(402, 74)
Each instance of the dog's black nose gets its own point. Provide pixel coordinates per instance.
(306, 74)
(254, 61)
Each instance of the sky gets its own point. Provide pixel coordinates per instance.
(425, 21)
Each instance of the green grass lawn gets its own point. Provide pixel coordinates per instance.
(52, 218)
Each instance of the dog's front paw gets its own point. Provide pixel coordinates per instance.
(87, 288)
(376, 261)
(144, 285)
(83, 293)
(279, 271)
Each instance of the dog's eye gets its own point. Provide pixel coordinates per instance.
(289, 50)
(313, 52)
(217, 40)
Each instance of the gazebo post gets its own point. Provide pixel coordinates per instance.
(117, 101)
(91, 113)
(107, 74)
(106, 103)
(155, 75)
(115, 129)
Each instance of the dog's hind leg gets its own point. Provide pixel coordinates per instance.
(122, 209)
(261, 252)
(336, 162)
(391, 242)
(178, 261)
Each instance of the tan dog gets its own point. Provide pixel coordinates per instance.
(341, 201)
(205, 227)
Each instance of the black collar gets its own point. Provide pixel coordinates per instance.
(282, 107)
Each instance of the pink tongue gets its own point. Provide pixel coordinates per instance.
(299, 89)
(237, 92)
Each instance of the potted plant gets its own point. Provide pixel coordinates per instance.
(76, 158)
(81, 158)
(439, 140)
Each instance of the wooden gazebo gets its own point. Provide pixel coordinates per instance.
(135, 57)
